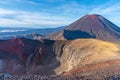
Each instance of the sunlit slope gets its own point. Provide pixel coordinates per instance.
(82, 52)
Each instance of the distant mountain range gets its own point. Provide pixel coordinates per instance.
(8, 33)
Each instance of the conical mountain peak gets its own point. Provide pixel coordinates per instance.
(91, 26)
(92, 15)
(88, 21)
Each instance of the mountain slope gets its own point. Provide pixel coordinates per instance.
(14, 54)
(89, 26)
(107, 70)
(25, 56)
(83, 52)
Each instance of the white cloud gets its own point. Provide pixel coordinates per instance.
(28, 2)
(34, 19)
(56, 16)
(5, 12)
(106, 9)
(111, 12)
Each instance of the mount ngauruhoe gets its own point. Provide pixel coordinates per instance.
(89, 26)
(84, 50)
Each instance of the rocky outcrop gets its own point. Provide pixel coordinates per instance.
(26, 56)
(14, 54)
(83, 52)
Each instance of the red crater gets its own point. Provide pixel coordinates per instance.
(13, 46)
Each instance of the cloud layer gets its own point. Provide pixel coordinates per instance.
(53, 13)
(30, 19)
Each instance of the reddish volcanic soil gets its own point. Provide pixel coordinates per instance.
(14, 46)
(19, 56)
(14, 54)
(103, 69)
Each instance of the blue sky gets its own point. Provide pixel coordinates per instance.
(54, 13)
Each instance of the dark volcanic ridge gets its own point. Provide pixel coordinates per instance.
(89, 26)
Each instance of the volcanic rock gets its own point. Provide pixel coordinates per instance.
(89, 26)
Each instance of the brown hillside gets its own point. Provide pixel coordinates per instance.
(82, 52)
